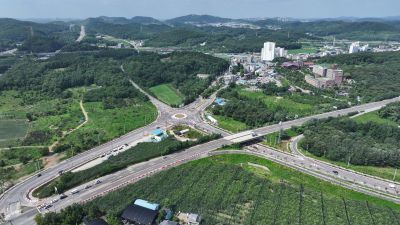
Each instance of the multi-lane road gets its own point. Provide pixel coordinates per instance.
(191, 114)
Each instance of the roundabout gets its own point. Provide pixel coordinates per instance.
(179, 116)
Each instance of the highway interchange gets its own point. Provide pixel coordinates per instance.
(192, 115)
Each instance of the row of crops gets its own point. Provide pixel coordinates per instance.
(227, 194)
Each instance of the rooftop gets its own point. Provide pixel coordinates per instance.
(139, 215)
(146, 204)
(157, 132)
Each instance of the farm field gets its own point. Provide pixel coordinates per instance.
(245, 194)
(294, 104)
(105, 124)
(304, 50)
(167, 94)
(12, 129)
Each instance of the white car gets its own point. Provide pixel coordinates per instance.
(74, 191)
(54, 200)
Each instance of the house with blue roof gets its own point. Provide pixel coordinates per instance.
(158, 135)
(146, 204)
(220, 101)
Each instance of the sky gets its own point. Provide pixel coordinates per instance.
(165, 9)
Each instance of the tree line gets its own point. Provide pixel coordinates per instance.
(344, 140)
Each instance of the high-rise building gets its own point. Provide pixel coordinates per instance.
(268, 52)
(280, 52)
(354, 47)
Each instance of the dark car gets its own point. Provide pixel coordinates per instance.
(63, 196)
(39, 175)
(335, 172)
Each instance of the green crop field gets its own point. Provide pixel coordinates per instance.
(304, 50)
(274, 102)
(12, 129)
(168, 94)
(227, 190)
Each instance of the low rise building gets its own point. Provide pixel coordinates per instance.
(189, 218)
(324, 77)
(146, 204)
(138, 215)
(158, 135)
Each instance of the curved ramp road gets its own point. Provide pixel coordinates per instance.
(22, 192)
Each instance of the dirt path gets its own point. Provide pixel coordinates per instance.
(18, 147)
(85, 114)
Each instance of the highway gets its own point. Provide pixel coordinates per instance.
(22, 192)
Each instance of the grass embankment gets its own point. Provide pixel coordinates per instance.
(374, 118)
(167, 94)
(246, 194)
(140, 153)
(272, 139)
(230, 124)
(191, 134)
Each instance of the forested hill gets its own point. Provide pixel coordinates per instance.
(197, 19)
(123, 30)
(353, 30)
(178, 68)
(55, 76)
(36, 37)
(345, 140)
(376, 75)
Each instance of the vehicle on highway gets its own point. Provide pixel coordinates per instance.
(98, 181)
(60, 172)
(39, 175)
(63, 196)
(335, 172)
(254, 134)
(54, 200)
(103, 155)
(74, 191)
(48, 206)
(88, 186)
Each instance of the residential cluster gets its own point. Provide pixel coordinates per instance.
(143, 212)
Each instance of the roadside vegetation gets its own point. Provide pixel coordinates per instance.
(366, 143)
(140, 153)
(272, 105)
(244, 194)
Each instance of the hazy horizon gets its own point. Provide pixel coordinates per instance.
(166, 9)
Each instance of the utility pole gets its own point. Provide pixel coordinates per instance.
(280, 132)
